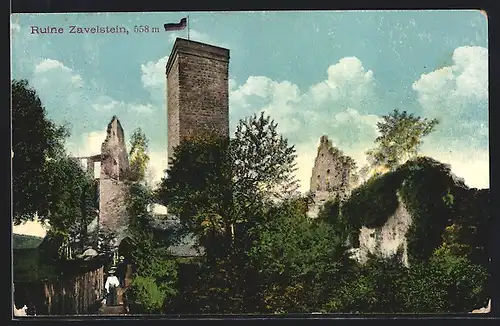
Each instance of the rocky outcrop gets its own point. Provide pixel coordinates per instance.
(333, 175)
(387, 240)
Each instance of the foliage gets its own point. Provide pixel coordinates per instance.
(429, 207)
(198, 189)
(74, 204)
(297, 259)
(264, 255)
(446, 283)
(144, 290)
(138, 155)
(400, 138)
(155, 277)
(446, 203)
(47, 183)
(218, 186)
(264, 162)
(35, 141)
(373, 202)
(371, 288)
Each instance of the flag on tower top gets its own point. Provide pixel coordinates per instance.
(176, 26)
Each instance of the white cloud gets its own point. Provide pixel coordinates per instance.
(348, 82)
(142, 108)
(342, 106)
(58, 85)
(89, 144)
(49, 64)
(458, 96)
(153, 73)
(336, 107)
(306, 153)
(451, 90)
(106, 103)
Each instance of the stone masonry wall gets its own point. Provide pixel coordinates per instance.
(114, 156)
(173, 107)
(332, 174)
(197, 86)
(113, 206)
(113, 189)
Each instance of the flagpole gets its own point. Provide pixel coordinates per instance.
(188, 25)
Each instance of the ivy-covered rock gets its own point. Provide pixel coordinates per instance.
(435, 199)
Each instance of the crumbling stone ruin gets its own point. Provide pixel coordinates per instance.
(333, 175)
(113, 189)
(112, 182)
(197, 89)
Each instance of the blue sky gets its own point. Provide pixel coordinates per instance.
(315, 73)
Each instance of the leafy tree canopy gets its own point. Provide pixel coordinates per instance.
(400, 138)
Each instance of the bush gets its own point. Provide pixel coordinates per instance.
(144, 292)
(446, 283)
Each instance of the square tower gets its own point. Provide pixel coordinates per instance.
(197, 91)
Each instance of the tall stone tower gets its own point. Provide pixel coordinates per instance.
(197, 91)
(113, 189)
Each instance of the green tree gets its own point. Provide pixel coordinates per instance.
(373, 287)
(47, 183)
(155, 278)
(218, 187)
(263, 161)
(36, 142)
(198, 189)
(72, 202)
(138, 155)
(400, 138)
(446, 283)
(298, 260)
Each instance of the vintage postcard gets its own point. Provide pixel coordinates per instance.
(268, 162)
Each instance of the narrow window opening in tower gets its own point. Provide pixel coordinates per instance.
(97, 170)
(115, 162)
(328, 171)
(319, 176)
(322, 154)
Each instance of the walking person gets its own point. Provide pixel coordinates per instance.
(111, 286)
(120, 271)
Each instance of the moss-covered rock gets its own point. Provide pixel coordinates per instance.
(435, 199)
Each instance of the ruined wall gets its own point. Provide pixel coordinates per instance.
(333, 174)
(114, 156)
(113, 189)
(197, 90)
(112, 206)
(387, 240)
